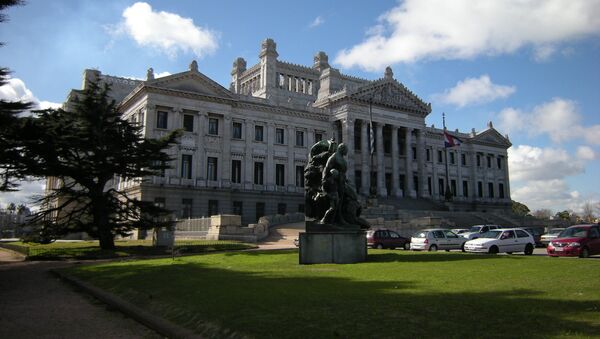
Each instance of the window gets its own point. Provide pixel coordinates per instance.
(211, 169)
(237, 130)
(161, 171)
(465, 188)
(489, 161)
(161, 119)
(279, 174)
(213, 126)
(414, 153)
(260, 210)
(440, 158)
(453, 187)
(236, 171)
(415, 183)
(258, 173)
(501, 191)
(318, 137)
(463, 159)
(438, 234)
(522, 234)
(441, 187)
(258, 133)
(452, 160)
(450, 234)
(281, 208)
(480, 189)
(429, 185)
(188, 122)
(279, 136)
(499, 162)
(428, 154)
(478, 160)
(213, 207)
(299, 176)
(186, 208)
(299, 138)
(490, 189)
(237, 207)
(186, 166)
(159, 202)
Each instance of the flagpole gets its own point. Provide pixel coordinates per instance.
(448, 193)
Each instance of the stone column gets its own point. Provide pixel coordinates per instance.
(269, 168)
(459, 190)
(291, 169)
(474, 174)
(225, 174)
(434, 175)
(395, 174)
(365, 154)
(247, 175)
(348, 136)
(381, 189)
(408, 177)
(424, 191)
(201, 161)
(506, 179)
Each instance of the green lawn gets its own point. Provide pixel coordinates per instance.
(126, 248)
(394, 294)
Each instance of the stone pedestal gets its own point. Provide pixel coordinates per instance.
(338, 247)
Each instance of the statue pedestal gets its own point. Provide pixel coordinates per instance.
(333, 247)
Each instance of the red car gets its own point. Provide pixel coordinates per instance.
(387, 239)
(578, 240)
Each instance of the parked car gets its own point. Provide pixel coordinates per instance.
(578, 240)
(459, 231)
(476, 230)
(436, 239)
(550, 235)
(387, 239)
(502, 240)
(536, 232)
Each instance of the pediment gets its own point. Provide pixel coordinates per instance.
(391, 93)
(191, 82)
(491, 136)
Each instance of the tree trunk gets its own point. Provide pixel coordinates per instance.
(101, 220)
(107, 240)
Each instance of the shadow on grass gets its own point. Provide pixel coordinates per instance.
(377, 256)
(316, 302)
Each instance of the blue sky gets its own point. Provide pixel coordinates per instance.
(530, 67)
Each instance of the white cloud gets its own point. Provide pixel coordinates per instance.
(463, 29)
(585, 153)
(317, 22)
(558, 118)
(167, 32)
(25, 195)
(534, 163)
(475, 91)
(16, 90)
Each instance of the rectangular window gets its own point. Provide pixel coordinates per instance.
(299, 176)
(429, 188)
(416, 184)
(211, 169)
(499, 162)
(318, 137)
(489, 161)
(452, 160)
(463, 159)
(440, 157)
(258, 133)
(236, 171)
(465, 188)
(453, 187)
(260, 210)
(441, 188)
(491, 189)
(161, 172)
(237, 130)
(161, 119)
(238, 207)
(213, 126)
(501, 191)
(186, 208)
(213, 207)
(478, 160)
(188, 122)
(480, 189)
(358, 181)
(279, 136)
(414, 153)
(299, 138)
(428, 154)
(279, 174)
(186, 166)
(281, 208)
(258, 173)
(159, 202)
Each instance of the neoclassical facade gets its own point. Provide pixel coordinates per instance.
(244, 149)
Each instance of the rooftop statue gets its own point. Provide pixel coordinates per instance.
(330, 199)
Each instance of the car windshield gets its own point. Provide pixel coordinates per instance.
(491, 234)
(474, 229)
(573, 232)
(420, 235)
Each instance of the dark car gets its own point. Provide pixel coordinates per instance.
(578, 240)
(536, 232)
(387, 239)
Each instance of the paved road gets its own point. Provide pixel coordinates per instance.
(35, 304)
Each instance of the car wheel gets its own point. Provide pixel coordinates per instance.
(529, 249)
(585, 253)
(462, 247)
(433, 248)
(379, 246)
(493, 250)
(407, 246)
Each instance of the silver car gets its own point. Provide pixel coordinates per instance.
(436, 239)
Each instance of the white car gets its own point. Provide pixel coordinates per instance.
(475, 231)
(436, 239)
(459, 231)
(503, 240)
(551, 235)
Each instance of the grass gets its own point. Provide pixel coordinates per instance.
(394, 294)
(91, 249)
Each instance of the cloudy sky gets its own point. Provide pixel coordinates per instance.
(531, 67)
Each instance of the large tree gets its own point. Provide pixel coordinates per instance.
(520, 209)
(87, 150)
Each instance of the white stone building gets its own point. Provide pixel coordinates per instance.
(244, 148)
